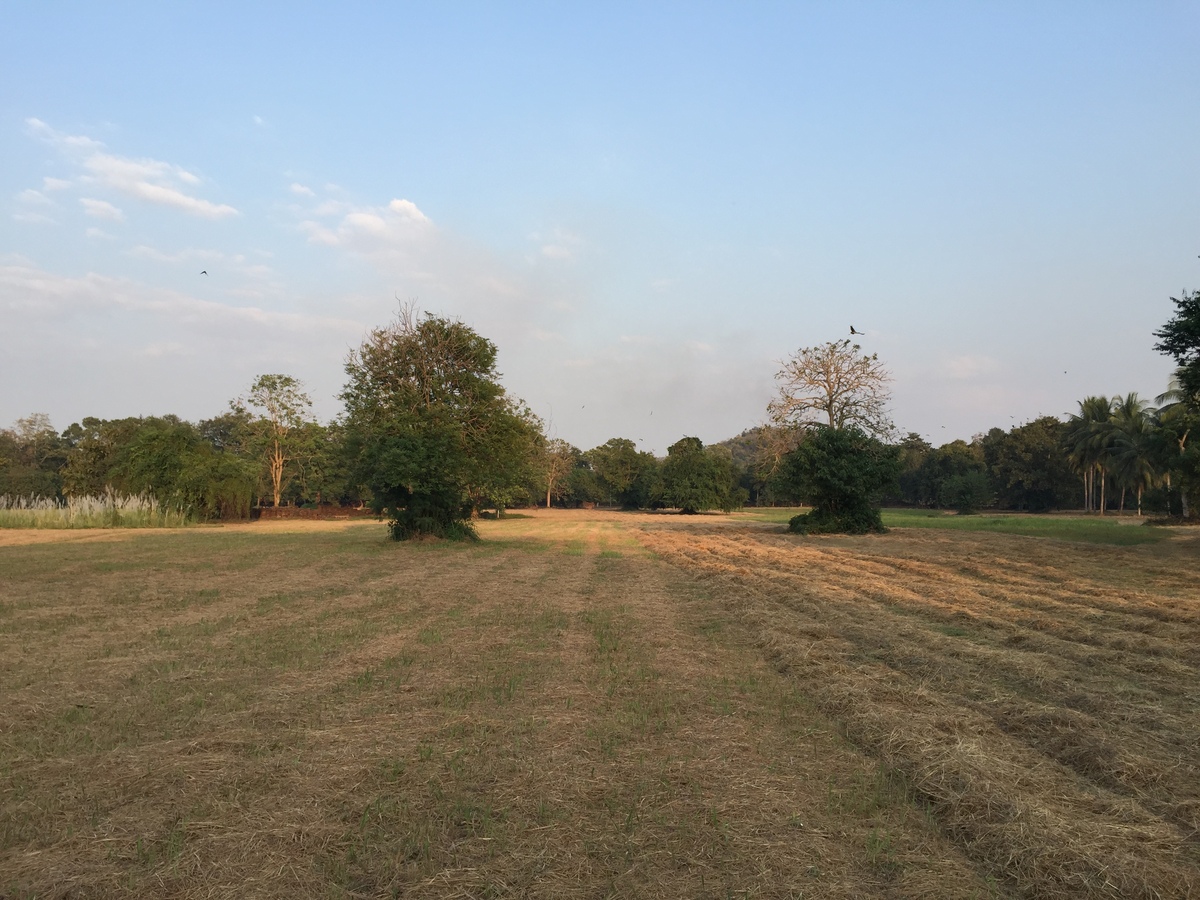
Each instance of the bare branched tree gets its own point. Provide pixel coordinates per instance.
(558, 460)
(833, 384)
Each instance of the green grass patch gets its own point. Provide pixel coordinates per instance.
(1091, 529)
(1087, 529)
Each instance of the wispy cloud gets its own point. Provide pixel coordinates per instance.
(159, 349)
(561, 245)
(142, 251)
(40, 129)
(302, 190)
(35, 292)
(163, 350)
(33, 218)
(101, 209)
(150, 180)
(33, 198)
(55, 184)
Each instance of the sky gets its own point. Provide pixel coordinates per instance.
(646, 207)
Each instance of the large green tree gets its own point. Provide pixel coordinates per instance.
(429, 428)
(622, 471)
(946, 475)
(695, 478)
(1180, 339)
(32, 455)
(1177, 452)
(169, 460)
(1027, 465)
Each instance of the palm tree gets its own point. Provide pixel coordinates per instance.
(1131, 453)
(1089, 437)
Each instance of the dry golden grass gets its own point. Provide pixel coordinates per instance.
(1041, 696)
(303, 709)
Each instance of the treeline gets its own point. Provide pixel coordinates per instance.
(430, 437)
(221, 467)
(215, 468)
(1115, 455)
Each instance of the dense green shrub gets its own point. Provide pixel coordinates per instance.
(842, 473)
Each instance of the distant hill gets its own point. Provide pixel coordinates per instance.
(745, 446)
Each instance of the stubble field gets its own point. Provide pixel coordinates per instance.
(597, 704)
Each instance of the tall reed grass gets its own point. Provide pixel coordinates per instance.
(111, 510)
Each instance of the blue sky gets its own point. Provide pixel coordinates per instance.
(645, 206)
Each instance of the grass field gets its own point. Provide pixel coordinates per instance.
(597, 704)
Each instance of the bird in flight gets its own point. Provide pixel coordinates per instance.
(853, 331)
(205, 272)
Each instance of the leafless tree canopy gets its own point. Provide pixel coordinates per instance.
(833, 384)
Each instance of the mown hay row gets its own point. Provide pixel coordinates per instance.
(993, 769)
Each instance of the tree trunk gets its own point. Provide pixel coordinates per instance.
(1103, 485)
(1121, 508)
(1139, 501)
(277, 460)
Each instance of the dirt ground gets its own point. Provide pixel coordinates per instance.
(595, 704)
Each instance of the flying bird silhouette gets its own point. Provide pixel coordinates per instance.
(853, 331)
(205, 272)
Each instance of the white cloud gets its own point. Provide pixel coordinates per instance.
(99, 234)
(101, 209)
(147, 179)
(258, 120)
(407, 209)
(55, 184)
(302, 190)
(372, 231)
(151, 180)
